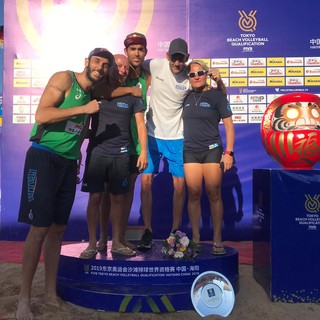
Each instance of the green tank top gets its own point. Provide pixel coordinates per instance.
(135, 147)
(64, 137)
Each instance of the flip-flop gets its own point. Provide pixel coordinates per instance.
(124, 251)
(88, 254)
(218, 249)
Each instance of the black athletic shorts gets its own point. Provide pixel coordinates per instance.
(101, 170)
(48, 188)
(208, 156)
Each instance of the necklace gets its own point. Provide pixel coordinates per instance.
(197, 100)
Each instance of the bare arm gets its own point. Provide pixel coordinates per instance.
(123, 91)
(142, 162)
(221, 86)
(53, 95)
(227, 159)
(148, 79)
(103, 90)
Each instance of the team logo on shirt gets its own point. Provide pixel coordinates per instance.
(204, 105)
(79, 94)
(122, 105)
(181, 87)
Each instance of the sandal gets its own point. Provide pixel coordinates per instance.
(218, 249)
(88, 254)
(124, 251)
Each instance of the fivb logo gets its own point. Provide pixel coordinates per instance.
(247, 22)
(312, 204)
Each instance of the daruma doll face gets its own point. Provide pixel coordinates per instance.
(290, 130)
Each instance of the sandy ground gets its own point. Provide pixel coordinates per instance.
(252, 302)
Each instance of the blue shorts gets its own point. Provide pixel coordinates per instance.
(172, 150)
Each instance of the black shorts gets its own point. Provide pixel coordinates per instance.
(208, 156)
(101, 170)
(48, 188)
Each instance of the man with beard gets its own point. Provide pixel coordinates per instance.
(49, 181)
(169, 87)
(107, 172)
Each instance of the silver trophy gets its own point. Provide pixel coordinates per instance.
(212, 294)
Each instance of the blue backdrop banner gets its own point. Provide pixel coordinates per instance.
(263, 50)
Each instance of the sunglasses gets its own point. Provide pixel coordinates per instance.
(177, 56)
(199, 73)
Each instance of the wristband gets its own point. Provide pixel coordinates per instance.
(231, 153)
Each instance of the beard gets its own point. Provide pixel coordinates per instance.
(90, 78)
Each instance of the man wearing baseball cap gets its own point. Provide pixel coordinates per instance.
(136, 84)
(169, 87)
(103, 53)
(50, 172)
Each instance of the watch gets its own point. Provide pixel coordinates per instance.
(231, 153)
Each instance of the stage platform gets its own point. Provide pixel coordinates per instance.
(147, 282)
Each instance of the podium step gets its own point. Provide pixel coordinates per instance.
(148, 282)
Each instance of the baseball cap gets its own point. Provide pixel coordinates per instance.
(178, 46)
(135, 38)
(102, 52)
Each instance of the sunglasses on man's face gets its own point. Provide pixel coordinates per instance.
(199, 73)
(177, 56)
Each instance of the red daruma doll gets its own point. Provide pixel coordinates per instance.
(290, 130)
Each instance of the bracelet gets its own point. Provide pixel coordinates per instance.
(231, 153)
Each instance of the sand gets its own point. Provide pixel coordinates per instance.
(252, 302)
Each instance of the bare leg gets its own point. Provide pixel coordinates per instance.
(178, 201)
(117, 216)
(146, 199)
(193, 173)
(104, 218)
(52, 248)
(213, 176)
(31, 256)
(93, 212)
(128, 204)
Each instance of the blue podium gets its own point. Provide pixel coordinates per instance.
(286, 233)
(148, 282)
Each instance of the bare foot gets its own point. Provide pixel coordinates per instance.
(102, 245)
(129, 245)
(55, 302)
(23, 311)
